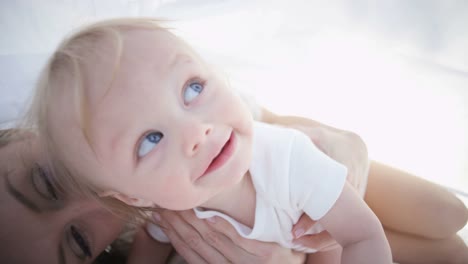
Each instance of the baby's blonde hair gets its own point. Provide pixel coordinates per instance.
(63, 71)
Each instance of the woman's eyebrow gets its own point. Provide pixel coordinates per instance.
(20, 197)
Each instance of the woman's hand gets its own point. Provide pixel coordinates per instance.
(216, 241)
(146, 250)
(346, 147)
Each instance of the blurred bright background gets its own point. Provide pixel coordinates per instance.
(394, 71)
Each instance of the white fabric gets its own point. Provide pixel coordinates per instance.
(291, 176)
(157, 233)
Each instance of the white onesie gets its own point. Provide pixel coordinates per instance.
(291, 176)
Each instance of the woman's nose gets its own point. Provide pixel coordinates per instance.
(195, 136)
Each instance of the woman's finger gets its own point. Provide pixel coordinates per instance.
(304, 224)
(188, 240)
(218, 240)
(253, 251)
(251, 246)
(177, 240)
(315, 134)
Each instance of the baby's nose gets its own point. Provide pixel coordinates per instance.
(195, 136)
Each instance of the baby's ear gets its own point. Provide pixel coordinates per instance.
(137, 202)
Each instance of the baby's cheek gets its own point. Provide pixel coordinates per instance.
(239, 109)
(246, 120)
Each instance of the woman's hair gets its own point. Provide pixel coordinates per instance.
(6, 137)
(65, 70)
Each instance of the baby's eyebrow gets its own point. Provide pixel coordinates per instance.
(178, 59)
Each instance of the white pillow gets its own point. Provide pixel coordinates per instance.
(18, 77)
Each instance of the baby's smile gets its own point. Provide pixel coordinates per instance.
(223, 155)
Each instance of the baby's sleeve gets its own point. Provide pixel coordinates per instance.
(316, 180)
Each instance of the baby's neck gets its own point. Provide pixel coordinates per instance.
(238, 202)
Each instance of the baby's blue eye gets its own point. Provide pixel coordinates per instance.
(192, 91)
(149, 142)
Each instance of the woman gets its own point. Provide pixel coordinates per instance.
(39, 223)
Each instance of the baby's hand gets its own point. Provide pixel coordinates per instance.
(321, 241)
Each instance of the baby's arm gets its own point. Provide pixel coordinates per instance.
(318, 186)
(357, 229)
(332, 256)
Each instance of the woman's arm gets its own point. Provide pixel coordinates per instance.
(332, 141)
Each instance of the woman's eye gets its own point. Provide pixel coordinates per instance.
(192, 91)
(79, 244)
(149, 142)
(42, 183)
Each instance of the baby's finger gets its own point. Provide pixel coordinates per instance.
(320, 241)
(302, 226)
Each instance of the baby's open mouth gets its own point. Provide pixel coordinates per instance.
(223, 155)
(221, 152)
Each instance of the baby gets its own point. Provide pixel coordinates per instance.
(130, 111)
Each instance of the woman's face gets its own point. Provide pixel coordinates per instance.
(38, 223)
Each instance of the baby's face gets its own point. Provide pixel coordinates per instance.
(168, 130)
